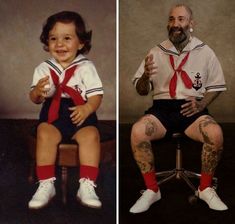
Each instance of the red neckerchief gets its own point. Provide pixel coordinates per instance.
(53, 113)
(187, 81)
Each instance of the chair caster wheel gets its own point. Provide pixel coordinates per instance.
(192, 199)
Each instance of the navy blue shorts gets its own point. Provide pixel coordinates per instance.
(168, 112)
(64, 123)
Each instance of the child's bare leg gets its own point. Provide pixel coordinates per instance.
(88, 139)
(89, 154)
(48, 138)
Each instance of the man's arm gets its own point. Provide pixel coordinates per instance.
(143, 85)
(208, 99)
(195, 106)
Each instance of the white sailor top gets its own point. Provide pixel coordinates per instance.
(202, 67)
(85, 79)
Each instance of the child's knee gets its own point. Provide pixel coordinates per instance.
(47, 132)
(88, 134)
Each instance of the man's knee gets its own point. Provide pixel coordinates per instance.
(217, 136)
(138, 131)
(148, 128)
(213, 135)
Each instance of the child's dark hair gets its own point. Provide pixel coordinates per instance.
(68, 17)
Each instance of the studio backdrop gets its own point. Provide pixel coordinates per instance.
(21, 50)
(143, 24)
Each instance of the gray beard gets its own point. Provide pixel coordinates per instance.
(179, 41)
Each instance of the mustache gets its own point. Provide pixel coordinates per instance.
(175, 29)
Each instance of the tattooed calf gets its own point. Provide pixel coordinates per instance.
(144, 156)
(210, 158)
(210, 154)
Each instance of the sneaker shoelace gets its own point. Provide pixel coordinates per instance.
(213, 194)
(43, 187)
(90, 185)
(143, 195)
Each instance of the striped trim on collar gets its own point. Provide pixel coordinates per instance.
(79, 61)
(57, 69)
(51, 64)
(166, 50)
(176, 53)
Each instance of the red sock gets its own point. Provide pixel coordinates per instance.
(150, 181)
(205, 181)
(45, 172)
(89, 172)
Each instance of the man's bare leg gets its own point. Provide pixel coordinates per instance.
(145, 130)
(206, 130)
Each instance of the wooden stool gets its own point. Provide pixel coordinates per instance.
(68, 157)
(68, 154)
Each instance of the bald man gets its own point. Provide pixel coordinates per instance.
(185, 76)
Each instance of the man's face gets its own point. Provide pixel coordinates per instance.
(178, 25)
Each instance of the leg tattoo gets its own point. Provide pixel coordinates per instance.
(208, 120)
(149, 129)
(210, 158)
(144, 156)
(210, 153)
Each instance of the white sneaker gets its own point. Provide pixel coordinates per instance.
(86, 194)
(212, 199)
(43, 195)
(145, 201)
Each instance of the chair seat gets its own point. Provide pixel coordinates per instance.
(68, 155)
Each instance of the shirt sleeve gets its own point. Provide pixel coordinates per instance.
(91, 80)
(139, 74)
(215, 80)
(39, 72)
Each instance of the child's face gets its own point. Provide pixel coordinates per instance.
(63, 43)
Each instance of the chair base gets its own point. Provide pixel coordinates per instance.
(183, 174)
(179, 172)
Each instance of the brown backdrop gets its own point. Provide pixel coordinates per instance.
(143, 25)
(21, 50)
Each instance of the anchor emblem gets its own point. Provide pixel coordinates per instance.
(197, 84)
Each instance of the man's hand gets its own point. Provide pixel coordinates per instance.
(192, 107)
(143, 86)
(150, 68)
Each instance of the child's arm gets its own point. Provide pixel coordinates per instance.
(39, 92)
(81, 112)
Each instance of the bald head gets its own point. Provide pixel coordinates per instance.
(180, 23)
(187, 8)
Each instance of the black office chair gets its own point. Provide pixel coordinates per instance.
(180, 173)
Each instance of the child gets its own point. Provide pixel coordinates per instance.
(70, 90)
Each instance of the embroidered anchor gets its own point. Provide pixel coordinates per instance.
(78, 89)
(197, 84)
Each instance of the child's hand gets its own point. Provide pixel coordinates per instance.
(41, 88)
(80, 113)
